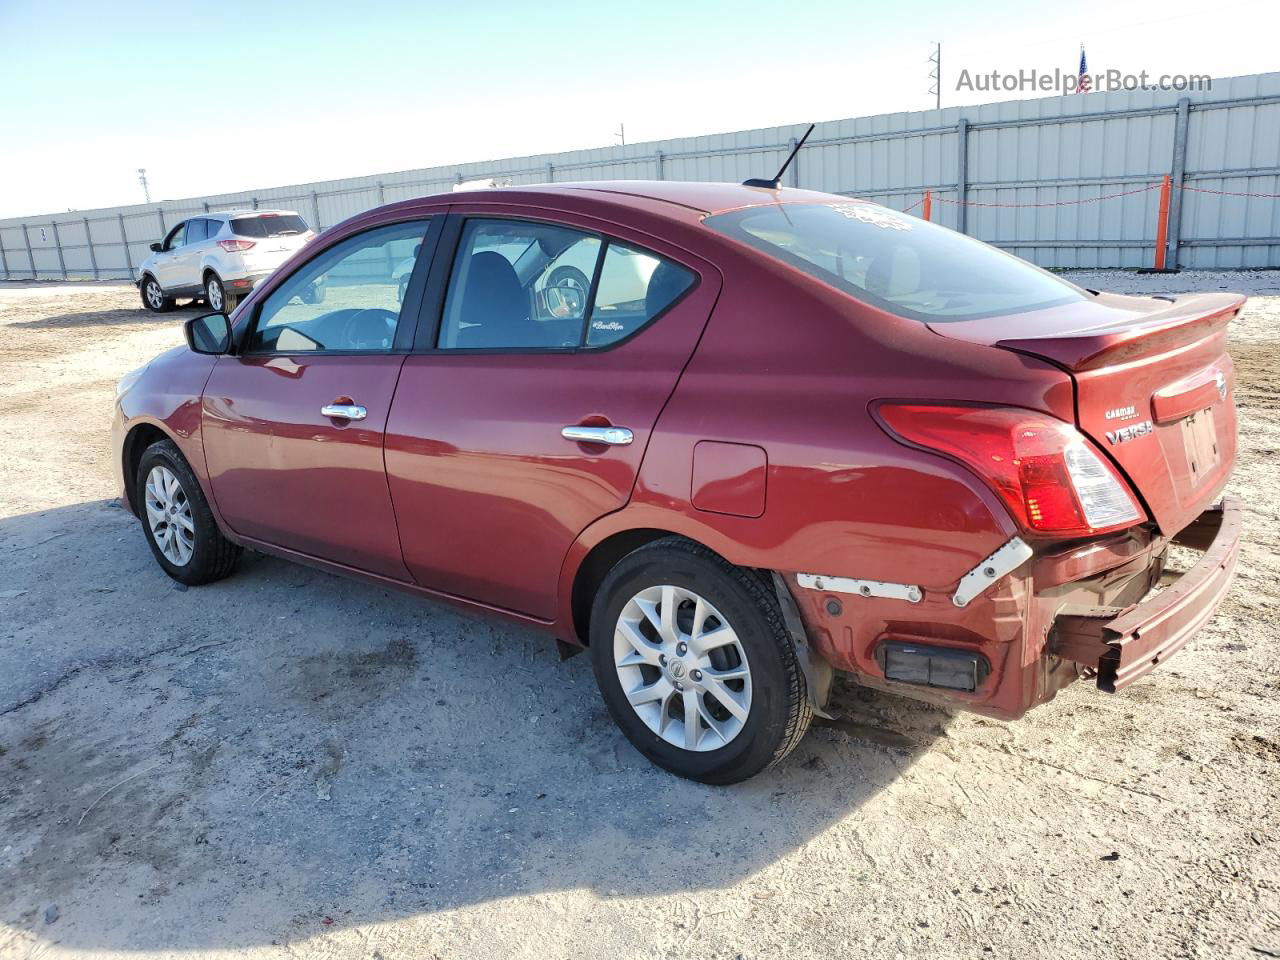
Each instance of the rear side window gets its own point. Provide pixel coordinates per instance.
(896, 262)
(634, 287)
(197, 230)
(268, 225)
(524, 285)
(518, 285)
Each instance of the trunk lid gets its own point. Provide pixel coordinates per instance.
(1154, 387)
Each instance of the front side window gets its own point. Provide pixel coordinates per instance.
(906, 266)
(517, 284)
(174, 240)
(347, 299)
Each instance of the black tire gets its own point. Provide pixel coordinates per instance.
(213, 556)
(153, 296)
(779, 712)
(216, 295)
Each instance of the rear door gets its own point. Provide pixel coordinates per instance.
(186, 263)
(489, 490)
(294, 423)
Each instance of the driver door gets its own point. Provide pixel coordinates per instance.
(294, 423)
(167, 260)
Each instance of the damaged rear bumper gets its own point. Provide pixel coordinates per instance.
(1122, 644)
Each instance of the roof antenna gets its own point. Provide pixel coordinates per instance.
(776, 182)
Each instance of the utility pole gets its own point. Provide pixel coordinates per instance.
(621, 135)
(142, 179)
(935, 74)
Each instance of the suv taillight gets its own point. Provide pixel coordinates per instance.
(235, 246)
(1049, 474)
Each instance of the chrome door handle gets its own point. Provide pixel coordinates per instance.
(344, 411)
(614, 436)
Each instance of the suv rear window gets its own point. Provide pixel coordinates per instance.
(896, 262)
(268, 225)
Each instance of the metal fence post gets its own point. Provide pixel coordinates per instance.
(659, 158)
(551, 173)
(124, 239)
(57, 242)
(382, 194)
(163, 229)
(1177, 174)
(962, 175)
(315, 207)
(93, 258)
(4, 260)
(795, 165)
(31, 257)
(206, 206)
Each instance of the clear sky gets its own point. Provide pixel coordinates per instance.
(227, 95)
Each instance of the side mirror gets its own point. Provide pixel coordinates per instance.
(155, 248)
(209, 334)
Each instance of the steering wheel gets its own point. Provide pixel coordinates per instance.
(373, 328)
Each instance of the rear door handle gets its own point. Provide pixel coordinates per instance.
(344, 411)
(613, 436)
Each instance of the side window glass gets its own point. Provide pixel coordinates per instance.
(634, 287)
(197, 231)
(348, 298)
(174, 240)
(518, 285)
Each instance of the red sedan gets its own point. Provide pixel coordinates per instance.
(731, 439)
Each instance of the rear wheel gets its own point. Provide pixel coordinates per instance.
(177, 520)
(695, 664)
(216, 295)
(154, 298)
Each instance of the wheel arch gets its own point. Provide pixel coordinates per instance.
(140, 436)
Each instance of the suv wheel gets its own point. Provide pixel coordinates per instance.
(216, 296)
(176, 518)
(695, 664)
(154, 298)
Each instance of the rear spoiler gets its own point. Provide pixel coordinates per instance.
(1189, 319)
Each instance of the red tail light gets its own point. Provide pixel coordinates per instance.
(235, 246)
(1051, 477)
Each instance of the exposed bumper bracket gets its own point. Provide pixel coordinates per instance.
(1005, 560)
(1125, 644)
(862, 588)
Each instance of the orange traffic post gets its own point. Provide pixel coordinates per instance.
(1162, 224)
(928, 205)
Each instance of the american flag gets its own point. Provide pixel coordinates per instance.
(1082, 81)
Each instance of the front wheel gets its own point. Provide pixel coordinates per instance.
(695, 664)
(177, 521)
(154, 298)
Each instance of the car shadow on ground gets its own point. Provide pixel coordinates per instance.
(109, 318)
(257, 760)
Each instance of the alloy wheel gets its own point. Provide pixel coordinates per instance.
(213, 293)
(155, 296)
(169, 516)
(682, 668)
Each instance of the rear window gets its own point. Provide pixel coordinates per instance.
(269, 225)
(899, 263)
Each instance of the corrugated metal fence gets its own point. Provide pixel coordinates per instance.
(1063, 181)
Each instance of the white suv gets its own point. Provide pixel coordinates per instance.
(220, 257)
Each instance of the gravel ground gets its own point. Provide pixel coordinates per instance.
(287, 763)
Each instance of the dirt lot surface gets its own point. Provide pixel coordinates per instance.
(286, 763)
